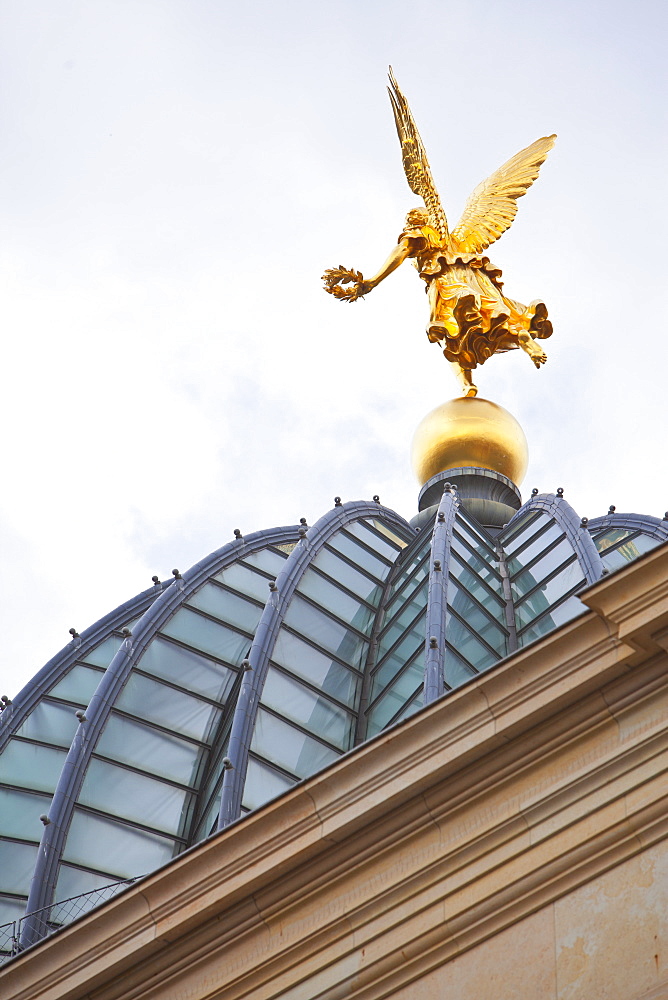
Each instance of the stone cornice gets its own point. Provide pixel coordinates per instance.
(479, 810)
(635, 601)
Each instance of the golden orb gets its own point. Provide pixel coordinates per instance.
(470, 431)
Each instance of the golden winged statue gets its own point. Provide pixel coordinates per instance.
(469, 315)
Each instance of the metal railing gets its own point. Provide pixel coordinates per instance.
(57, 915)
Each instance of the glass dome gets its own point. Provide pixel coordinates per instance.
(212, 693)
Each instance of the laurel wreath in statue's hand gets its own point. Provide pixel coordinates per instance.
(336, 277)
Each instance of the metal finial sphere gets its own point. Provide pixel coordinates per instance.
(470, 433)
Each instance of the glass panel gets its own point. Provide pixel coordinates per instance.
(18, 863)
(268, 560)
(419, 570)
(286, 746)
(395, 697)
(155, 702)
(314, 666)
(263, 784)
(391, 533)
(407, 640)
(209, 796)
(209, 820)
(74, 881)
(78, 685)
(468, 644)
(521, 530)
(411, 593)
(125, 852)
(297, 703)
(476, 564)
(61, 914)
(416, 605)
(473, 584)
(370, 538)
(188, 669)
(51, 724)
(483, 546)
(202, 633)
(558, 616)
(103, 654)
(359, 556)
(347, 576)
(476, 619)
(629, 551)
(326, 632)
(401, 574)
(456, 671)
(410, 646)
(10, 909)
(151, 750)
(31, 766)
(20, 812)
(535, 548)
(112, 789)
(286, 547)
(411, 708)
(246, 581)
(331, 598)
(609, 538)
(528, 579)
(228, 607)
(214, 775)
(549, 593)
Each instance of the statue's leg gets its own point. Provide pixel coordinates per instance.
(527, 323)
(529, 345)
(463, 375)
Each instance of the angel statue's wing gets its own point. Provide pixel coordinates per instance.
(416, 164)
(492, 207)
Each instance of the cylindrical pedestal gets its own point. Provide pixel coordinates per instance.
(489, 496)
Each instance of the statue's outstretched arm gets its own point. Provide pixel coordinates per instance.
(396, 258)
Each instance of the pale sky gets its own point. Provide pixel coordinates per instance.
(177, 176)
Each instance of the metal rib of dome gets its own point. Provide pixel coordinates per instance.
(273, 617)
(262, 664)
(204, 694)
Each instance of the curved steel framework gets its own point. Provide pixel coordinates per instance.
(645, 523)
(245, 713)
(621, 538)
(43, 884)
(572, 526)
(205, 697)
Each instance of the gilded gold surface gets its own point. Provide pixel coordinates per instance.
(471, 318)
(470, 432)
